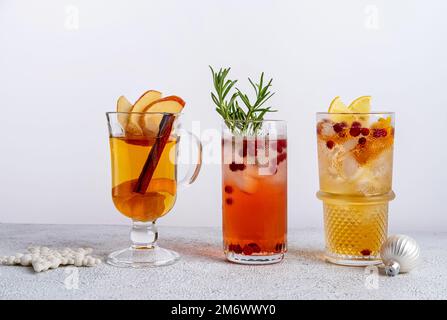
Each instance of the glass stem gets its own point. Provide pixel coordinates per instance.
(143, 235)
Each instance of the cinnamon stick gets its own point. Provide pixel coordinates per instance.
(154, 155)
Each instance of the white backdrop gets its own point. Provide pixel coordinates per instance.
(64, 63)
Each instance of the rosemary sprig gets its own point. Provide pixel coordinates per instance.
(238, 119)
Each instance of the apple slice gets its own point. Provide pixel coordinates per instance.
(123, 105)
(151, 122)
(142, 103)
(145, 100)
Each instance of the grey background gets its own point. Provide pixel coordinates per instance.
(64, 63)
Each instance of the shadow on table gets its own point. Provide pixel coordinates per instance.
(196, 249)
(215, 253)
(306, 255)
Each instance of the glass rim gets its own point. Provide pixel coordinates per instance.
(391, 113)
(144, 113)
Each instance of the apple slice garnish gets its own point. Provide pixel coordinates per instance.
(145, 100)
(142, 103)
(151, 122)
(123, 105)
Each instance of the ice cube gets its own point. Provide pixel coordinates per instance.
(382, 166)
(327, 129)
(349, 145)
(265, 157)
(327, 159)
(377, 176)
(252, 171)
(350, 167)
(257, 172)
(368, 186)
(332, 171)
(246, 183)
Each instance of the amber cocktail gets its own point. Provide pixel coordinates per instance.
(355, 153)
(143, 148)
(128, 157)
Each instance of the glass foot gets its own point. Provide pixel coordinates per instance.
(353, 261)
(142, 257)
(254, 260)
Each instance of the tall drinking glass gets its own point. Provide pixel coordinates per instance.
(355, 157)
(254, 191)
(144, 181)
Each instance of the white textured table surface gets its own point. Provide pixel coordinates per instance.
(202, 273)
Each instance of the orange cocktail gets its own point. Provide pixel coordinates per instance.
(254, 199)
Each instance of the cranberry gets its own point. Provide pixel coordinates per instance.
(330, 144)
(229, 201)
(241, 167)
(248, 251)
(377, 133)
(282, 143)
(237, 166)
(228, 189)
(338, 127)
(281, 158)
(233, 166)
(354, 132)
(365, 131)
(236, 248)
(342, 134)
(366, 252)
(362, 141)
(356, 124)
(255, 247)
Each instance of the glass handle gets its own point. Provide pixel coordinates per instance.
(193, 171)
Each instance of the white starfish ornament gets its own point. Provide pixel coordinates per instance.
(43, 258)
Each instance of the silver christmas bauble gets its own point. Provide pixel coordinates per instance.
(399, 253)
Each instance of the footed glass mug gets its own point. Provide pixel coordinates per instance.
(144, 180)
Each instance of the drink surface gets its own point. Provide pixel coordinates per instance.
(128, 158)
(254, 197)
